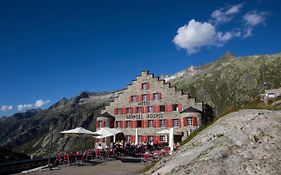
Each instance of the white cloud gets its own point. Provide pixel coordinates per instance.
(225, 14)
(251, 20)
(38, 103)
(5, 108)
(254, 18)
(195, 35)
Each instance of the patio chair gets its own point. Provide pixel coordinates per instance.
(145, 158)
(99, 153)
(59, 159)
(66, 158)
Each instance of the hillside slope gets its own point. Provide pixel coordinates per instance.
(230, 81)
(31, 134)
(245, 142)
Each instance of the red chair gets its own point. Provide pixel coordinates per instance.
(145, 157)
(59, 159)
(66, 158)
(98, 153)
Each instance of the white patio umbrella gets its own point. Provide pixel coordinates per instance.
(171, 140)
(80, 132)
(107, 132)
(165, 131)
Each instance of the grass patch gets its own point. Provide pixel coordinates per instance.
(149, 166)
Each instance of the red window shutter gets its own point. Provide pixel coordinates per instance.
(147, 85)
(154, 108)
(135, 123)
(140, 97)
(134, 109)
(158, 108)
(124, 110)
(137, 98)
(158, 138)
(133, 138)
(97, 124)
(154, 138)
(146, 138)
(151, 96)
(145, 109)
(184, 121)
(158, 123)
(124, 124)
(103, 124)
(160, 95)
(130, 98)
(142, 138)
(167, 108)
(171, 107)
(180, 107)
(148, 96)
(179, 122)
(194, 121)
(115, 111)
(167, 123)
(114, 124)
(154, 123)
(142, 109)
(142, 123)
(132, 124)
(121, 124)
(145, 123)
(171, 122)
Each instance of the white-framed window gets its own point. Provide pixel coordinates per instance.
(139, 138)
(150, 123)
(118, 124)
(138, 109)
(128, 138)
(128, 124)
(189, 121)
(150, 138)
(163, 138)
(99, 124)
(134, 98)
(176, 122)
(175, 107)
(162, 123)
(149, 109)
(128, 110)
(144, 97)
(143, 86)
(155, 96)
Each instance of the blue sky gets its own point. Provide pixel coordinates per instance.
(50, 50)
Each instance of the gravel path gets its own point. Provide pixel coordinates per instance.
(115, 167)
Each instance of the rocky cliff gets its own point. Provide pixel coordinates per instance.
(245, 142)
(230, 81)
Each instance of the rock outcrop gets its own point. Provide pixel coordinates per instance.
(247, 142)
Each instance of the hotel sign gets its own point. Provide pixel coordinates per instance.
(144, 116)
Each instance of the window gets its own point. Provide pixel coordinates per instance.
(175, 122)
(128, 110)
(128, 138)
(189, 121)
(138, 109)
(143, 86)
(144, 97)
(118, 124)
(175, 107)
(155, 96)
(150, 123)
(119, 111)
(100, 124)
(139, 138)
(162, 123)
(138, 123)
(162, 108)
(163, 138)
(150, 138)
(134, 98)
(128, 124)
(149, 108)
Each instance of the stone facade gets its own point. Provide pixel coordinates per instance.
(151, 105)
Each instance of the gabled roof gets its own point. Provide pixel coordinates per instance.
(191, 109)
(106, 114)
